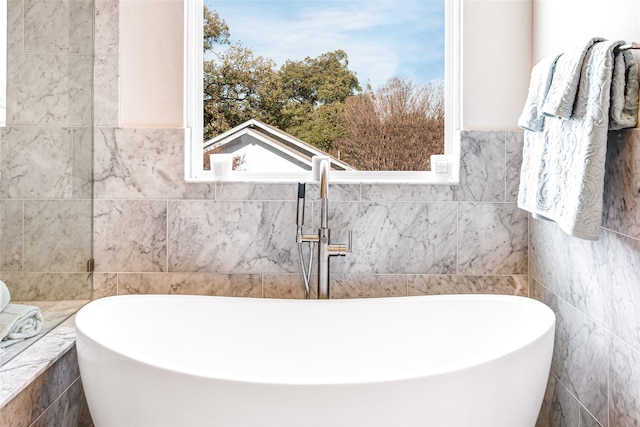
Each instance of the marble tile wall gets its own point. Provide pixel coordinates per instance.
(154, 233)
(46, 172)
(594, 288)
(42, 387)
(46, 148)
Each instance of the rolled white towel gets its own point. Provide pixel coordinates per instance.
(19, 322)
(5, 296)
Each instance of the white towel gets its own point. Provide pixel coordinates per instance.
(5, 297)
(532, 118)
(566, 78)
(19, 322)
(624, 93)
(562, 175)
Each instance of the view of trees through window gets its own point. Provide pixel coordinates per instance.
(320, 100)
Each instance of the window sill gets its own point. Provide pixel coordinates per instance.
(427, 178)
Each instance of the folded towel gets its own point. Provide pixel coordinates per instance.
(532, 118)
(562, 174)
(5, 297)
(564, 86)
(19, 322)
(624, 92)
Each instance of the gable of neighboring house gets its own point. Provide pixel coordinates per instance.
(263, 148)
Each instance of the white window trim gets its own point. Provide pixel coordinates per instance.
(193, 89)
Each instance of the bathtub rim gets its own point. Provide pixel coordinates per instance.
(448, 369)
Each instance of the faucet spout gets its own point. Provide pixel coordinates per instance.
(323, 233)
(324, 193)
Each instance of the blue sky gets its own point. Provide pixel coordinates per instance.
(383, 38)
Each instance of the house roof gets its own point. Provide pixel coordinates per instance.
(289, 145)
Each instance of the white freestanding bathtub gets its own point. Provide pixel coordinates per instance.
(178, 361)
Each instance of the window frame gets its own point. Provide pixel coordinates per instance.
(193, 107)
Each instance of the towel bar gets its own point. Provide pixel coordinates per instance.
(628, 46)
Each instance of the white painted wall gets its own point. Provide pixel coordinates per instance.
(563, 24)
(496, 62)
(497, 52)
(151, 66)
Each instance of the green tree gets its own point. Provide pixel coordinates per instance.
(322, 126)
(304, 98)
(319, 81)
(215, 29)
(314, 91)
(237, 87)
(237, 84)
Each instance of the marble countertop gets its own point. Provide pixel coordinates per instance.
(53, 312)
(40, 352)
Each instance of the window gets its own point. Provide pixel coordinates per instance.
(290, 156)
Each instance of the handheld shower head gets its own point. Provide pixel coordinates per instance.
(301, 200)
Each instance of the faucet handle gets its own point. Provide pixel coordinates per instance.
(341, 249)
